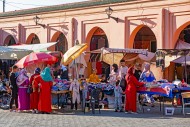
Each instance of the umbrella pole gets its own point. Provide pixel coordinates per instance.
(76, 67)
(113, 58)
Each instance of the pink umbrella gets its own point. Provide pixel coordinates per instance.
(35, 58)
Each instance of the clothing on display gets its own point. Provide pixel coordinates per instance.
(160, 59)
(99, 68)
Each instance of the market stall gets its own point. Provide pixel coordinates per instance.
(163, 89)
(105, 57)
(162, 54)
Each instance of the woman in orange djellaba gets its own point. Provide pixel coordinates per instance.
(45, 82)
(131, 91)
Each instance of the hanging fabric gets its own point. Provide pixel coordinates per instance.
(160, 59)
(99, 68)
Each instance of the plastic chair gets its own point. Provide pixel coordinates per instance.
(94, 100)
(185, 95)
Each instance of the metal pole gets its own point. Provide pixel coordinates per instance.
(185, 69)
(113, 58)
(3, 5)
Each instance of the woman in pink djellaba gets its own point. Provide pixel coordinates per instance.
(23, 96)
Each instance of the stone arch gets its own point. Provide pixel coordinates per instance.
(132, 36)
(9, 40)
(178, 32)
(143, 37)
(96, 31)
(33, 39)
(96, 39)
(62, 43)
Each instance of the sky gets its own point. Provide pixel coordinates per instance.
(12, 5)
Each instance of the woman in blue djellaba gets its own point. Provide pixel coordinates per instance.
(148, 77)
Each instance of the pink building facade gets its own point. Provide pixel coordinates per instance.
(152, 24)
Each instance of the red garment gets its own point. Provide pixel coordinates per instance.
(44, 104)
(99, 68)
(34, 97)
(131, 91)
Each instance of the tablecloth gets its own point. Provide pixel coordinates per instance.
(164, 89)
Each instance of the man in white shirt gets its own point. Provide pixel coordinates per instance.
(122, 73)
(123, 70)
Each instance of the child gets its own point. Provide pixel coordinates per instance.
(103, 79)
(118, 97)
(75, 88)
(84, 92)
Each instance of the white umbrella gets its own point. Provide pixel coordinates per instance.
(13, 53)
(34, 47)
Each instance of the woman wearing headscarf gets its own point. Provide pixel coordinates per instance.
(23, 96)
(34, 97)
(131, 91)
(44, 81)
(148, 77)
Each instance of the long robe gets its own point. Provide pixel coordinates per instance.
(44, 104)
(34, 96)
(75, 87)
(131, 93)
(23, 96)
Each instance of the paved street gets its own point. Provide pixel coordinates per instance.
(107, 118)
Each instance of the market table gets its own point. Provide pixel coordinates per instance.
(58, 93)
(60, 87)
(153, 91)
(163, 90)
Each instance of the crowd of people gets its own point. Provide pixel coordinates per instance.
(34, 93)
(126, 81)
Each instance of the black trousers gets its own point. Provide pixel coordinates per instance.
(74, 104)
(14, 98)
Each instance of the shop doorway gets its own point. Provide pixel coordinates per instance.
(98, 40)
(184, 37)
(145, 39)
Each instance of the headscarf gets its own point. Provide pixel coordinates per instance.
(146, 67)
(46, 75)
(129, 73)
(37, 70)
(22, 77)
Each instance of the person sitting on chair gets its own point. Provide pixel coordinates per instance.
(93, 77)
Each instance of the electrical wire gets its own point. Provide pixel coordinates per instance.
(11, 5)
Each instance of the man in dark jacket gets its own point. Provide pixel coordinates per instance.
(14, 87)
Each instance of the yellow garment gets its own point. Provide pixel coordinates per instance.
(94, 78)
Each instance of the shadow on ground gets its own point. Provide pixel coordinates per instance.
(149, 113)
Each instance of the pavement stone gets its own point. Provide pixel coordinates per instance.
(107, 118)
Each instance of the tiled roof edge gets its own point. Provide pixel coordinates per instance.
(61, 7)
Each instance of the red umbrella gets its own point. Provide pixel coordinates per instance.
(35, 58)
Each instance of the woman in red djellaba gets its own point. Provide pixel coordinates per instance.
(45, 82)
(34, 97)
(131, 91)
